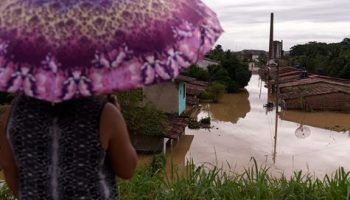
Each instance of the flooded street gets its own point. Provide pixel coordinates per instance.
(244, 129)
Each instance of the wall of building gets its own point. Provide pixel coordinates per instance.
(164, 96)
(277, 49)
(327, 102)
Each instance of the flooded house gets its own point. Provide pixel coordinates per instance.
(315, 93)
(302, 90)
(193, 89)
(170, 98)
(291, 76)
(272, 71)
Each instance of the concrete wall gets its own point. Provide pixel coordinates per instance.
(327, 102)
(277, 49)
(164, 96)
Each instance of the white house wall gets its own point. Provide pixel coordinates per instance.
(164, 96)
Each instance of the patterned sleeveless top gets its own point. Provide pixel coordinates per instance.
(58, 151)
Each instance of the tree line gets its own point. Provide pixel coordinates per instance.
(322, 58)
(231, 72)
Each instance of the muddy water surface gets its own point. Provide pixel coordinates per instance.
(243, 128)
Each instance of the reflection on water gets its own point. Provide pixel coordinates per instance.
(176, 154)
(243, 129)
(231, 108)
(339, 122)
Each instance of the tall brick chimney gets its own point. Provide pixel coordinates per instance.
(271, 53)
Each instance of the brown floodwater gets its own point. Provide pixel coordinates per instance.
(243, 128)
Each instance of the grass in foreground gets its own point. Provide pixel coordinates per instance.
(255, 183)
(199, 183)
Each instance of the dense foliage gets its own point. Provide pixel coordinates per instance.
(214, 92)
(325, 59)
(143, 119)
(231, 72)
(198, 73)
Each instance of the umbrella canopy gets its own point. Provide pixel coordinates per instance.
(56, 50)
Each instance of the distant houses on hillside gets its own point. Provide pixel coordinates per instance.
(253, 56)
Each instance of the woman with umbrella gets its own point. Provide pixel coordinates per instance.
(60, 139)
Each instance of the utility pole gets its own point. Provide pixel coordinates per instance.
(272, 57)
(277, 108)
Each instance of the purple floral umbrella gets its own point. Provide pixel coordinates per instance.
(56, 50)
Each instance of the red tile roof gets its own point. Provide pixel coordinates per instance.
(312, 80)
(177, 126)
(185, 78)
(313, 91)
(290, 73)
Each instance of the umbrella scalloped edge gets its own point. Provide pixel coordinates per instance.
(118, 69)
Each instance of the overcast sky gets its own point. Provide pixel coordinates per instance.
(246, 22)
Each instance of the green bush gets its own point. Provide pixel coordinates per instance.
(130, 98)
(145, 120)
(242, 77)
(197, 72)
(217, 90)
(205, 96)
(214, 92)
(141, 119)
(232, 87)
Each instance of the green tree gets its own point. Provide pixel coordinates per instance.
(198, 73)
(232, 72)
(214, 92)
(327, 59)
(217, 53)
